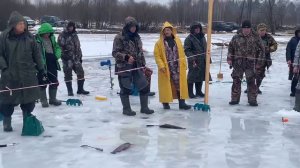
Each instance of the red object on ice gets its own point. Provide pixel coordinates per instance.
(284, 119)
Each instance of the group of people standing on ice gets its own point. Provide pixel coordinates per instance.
(27, 60)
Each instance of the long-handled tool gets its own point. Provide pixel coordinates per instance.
(220, 75)
(7, 145)
(108, 63)
(87, 146)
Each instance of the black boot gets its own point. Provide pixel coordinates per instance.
(199, 89)
(258, 83)
(7, 124)
(253, 103)
(297, 101)
(293, 87)
(70, 89)
(144, 105)
(183, 105)
(190, 89)
(126, 106)
(80, 88)
(43, 98)
(151, 94)
(234, 103)
(52, 97)
(166, 106)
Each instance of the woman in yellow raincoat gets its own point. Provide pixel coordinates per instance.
(171, 62)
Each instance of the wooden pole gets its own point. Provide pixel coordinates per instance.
(208, 51)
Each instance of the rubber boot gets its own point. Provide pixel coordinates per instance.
(7, 124)
(144, 105)
(258, 83)
(166, 106)
(52, 97)
(190, 89)
(297, 101)
(151, 94)
(234, 103)
(80, 88)
(70, 89)
(199, 89)
(126, 106)
(253, 103)
(293, 86)
(182, 104)
(43, 98)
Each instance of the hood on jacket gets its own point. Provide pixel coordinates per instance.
(45, 28)
(14, 19)
(168, 25)
(194, 26)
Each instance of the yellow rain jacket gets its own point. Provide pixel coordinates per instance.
(166, 89)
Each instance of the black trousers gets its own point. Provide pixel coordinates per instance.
(125, 91)
(51, 71)
(7, 110)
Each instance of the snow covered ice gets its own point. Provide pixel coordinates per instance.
(227, 137)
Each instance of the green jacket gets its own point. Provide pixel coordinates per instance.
(44, 29)
(20, 61)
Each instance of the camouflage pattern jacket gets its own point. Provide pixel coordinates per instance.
(123, 47)
(70, 45)
(246, 51)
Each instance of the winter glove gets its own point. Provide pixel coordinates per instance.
(148, 72)
(43, 78)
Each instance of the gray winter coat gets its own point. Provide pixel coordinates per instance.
(20, 61)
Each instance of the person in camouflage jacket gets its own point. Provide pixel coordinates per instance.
(246, 53)
(128, 53)
(72, 58)
(270, 46)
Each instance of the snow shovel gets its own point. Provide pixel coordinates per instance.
(168, 126)
(73, 102)
(121, 148)
(32, 126)
(220, 75)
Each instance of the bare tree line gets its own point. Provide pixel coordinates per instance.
(100, 13)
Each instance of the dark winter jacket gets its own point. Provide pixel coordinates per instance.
(70, 46)
(291, 47)
(20, 60)
(290, 51)
(195, 50)
(44, 29)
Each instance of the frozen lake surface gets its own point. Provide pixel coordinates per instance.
(227, 137)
